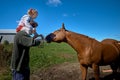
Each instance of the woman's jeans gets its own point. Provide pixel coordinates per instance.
(21, 75)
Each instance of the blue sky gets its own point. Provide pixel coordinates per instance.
(98, 19)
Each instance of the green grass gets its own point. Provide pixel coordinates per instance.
(45, 56)
(51, 54)
(6, 75)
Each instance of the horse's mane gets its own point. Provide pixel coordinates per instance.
(78, 35)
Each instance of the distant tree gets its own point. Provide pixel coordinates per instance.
(6, 42)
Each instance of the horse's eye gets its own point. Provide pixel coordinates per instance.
(58, 30)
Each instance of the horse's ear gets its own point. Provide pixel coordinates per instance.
(63, 27)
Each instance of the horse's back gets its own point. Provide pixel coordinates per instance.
(111, 49)
(109, 41)
(113, 42)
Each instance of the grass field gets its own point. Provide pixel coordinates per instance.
(45, 56)
(51, 54)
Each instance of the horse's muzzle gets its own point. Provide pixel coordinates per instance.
(49, 37)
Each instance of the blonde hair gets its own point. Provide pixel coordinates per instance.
(32, 11)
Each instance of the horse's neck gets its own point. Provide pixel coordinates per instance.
(77, 41)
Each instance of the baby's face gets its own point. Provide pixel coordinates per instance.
(34, 15)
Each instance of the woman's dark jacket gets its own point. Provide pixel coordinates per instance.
(20, 54)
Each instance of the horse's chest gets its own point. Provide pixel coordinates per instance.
(85, 59)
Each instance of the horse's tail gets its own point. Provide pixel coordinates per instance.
(117, 45)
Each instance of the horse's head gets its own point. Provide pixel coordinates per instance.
(57, 36)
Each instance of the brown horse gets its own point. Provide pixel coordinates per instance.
(91, 53)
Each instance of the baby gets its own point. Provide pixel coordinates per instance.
(27, 23)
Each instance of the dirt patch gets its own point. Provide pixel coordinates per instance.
(65, 55)
(58, 72)
(69, 71)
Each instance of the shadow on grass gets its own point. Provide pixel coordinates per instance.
(109, 77)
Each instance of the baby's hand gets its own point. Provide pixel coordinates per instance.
(34, 30)
(34, 24)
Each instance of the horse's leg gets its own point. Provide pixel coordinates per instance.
(84, 71)
(118, 70)
(114, 67)
(96, 71)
